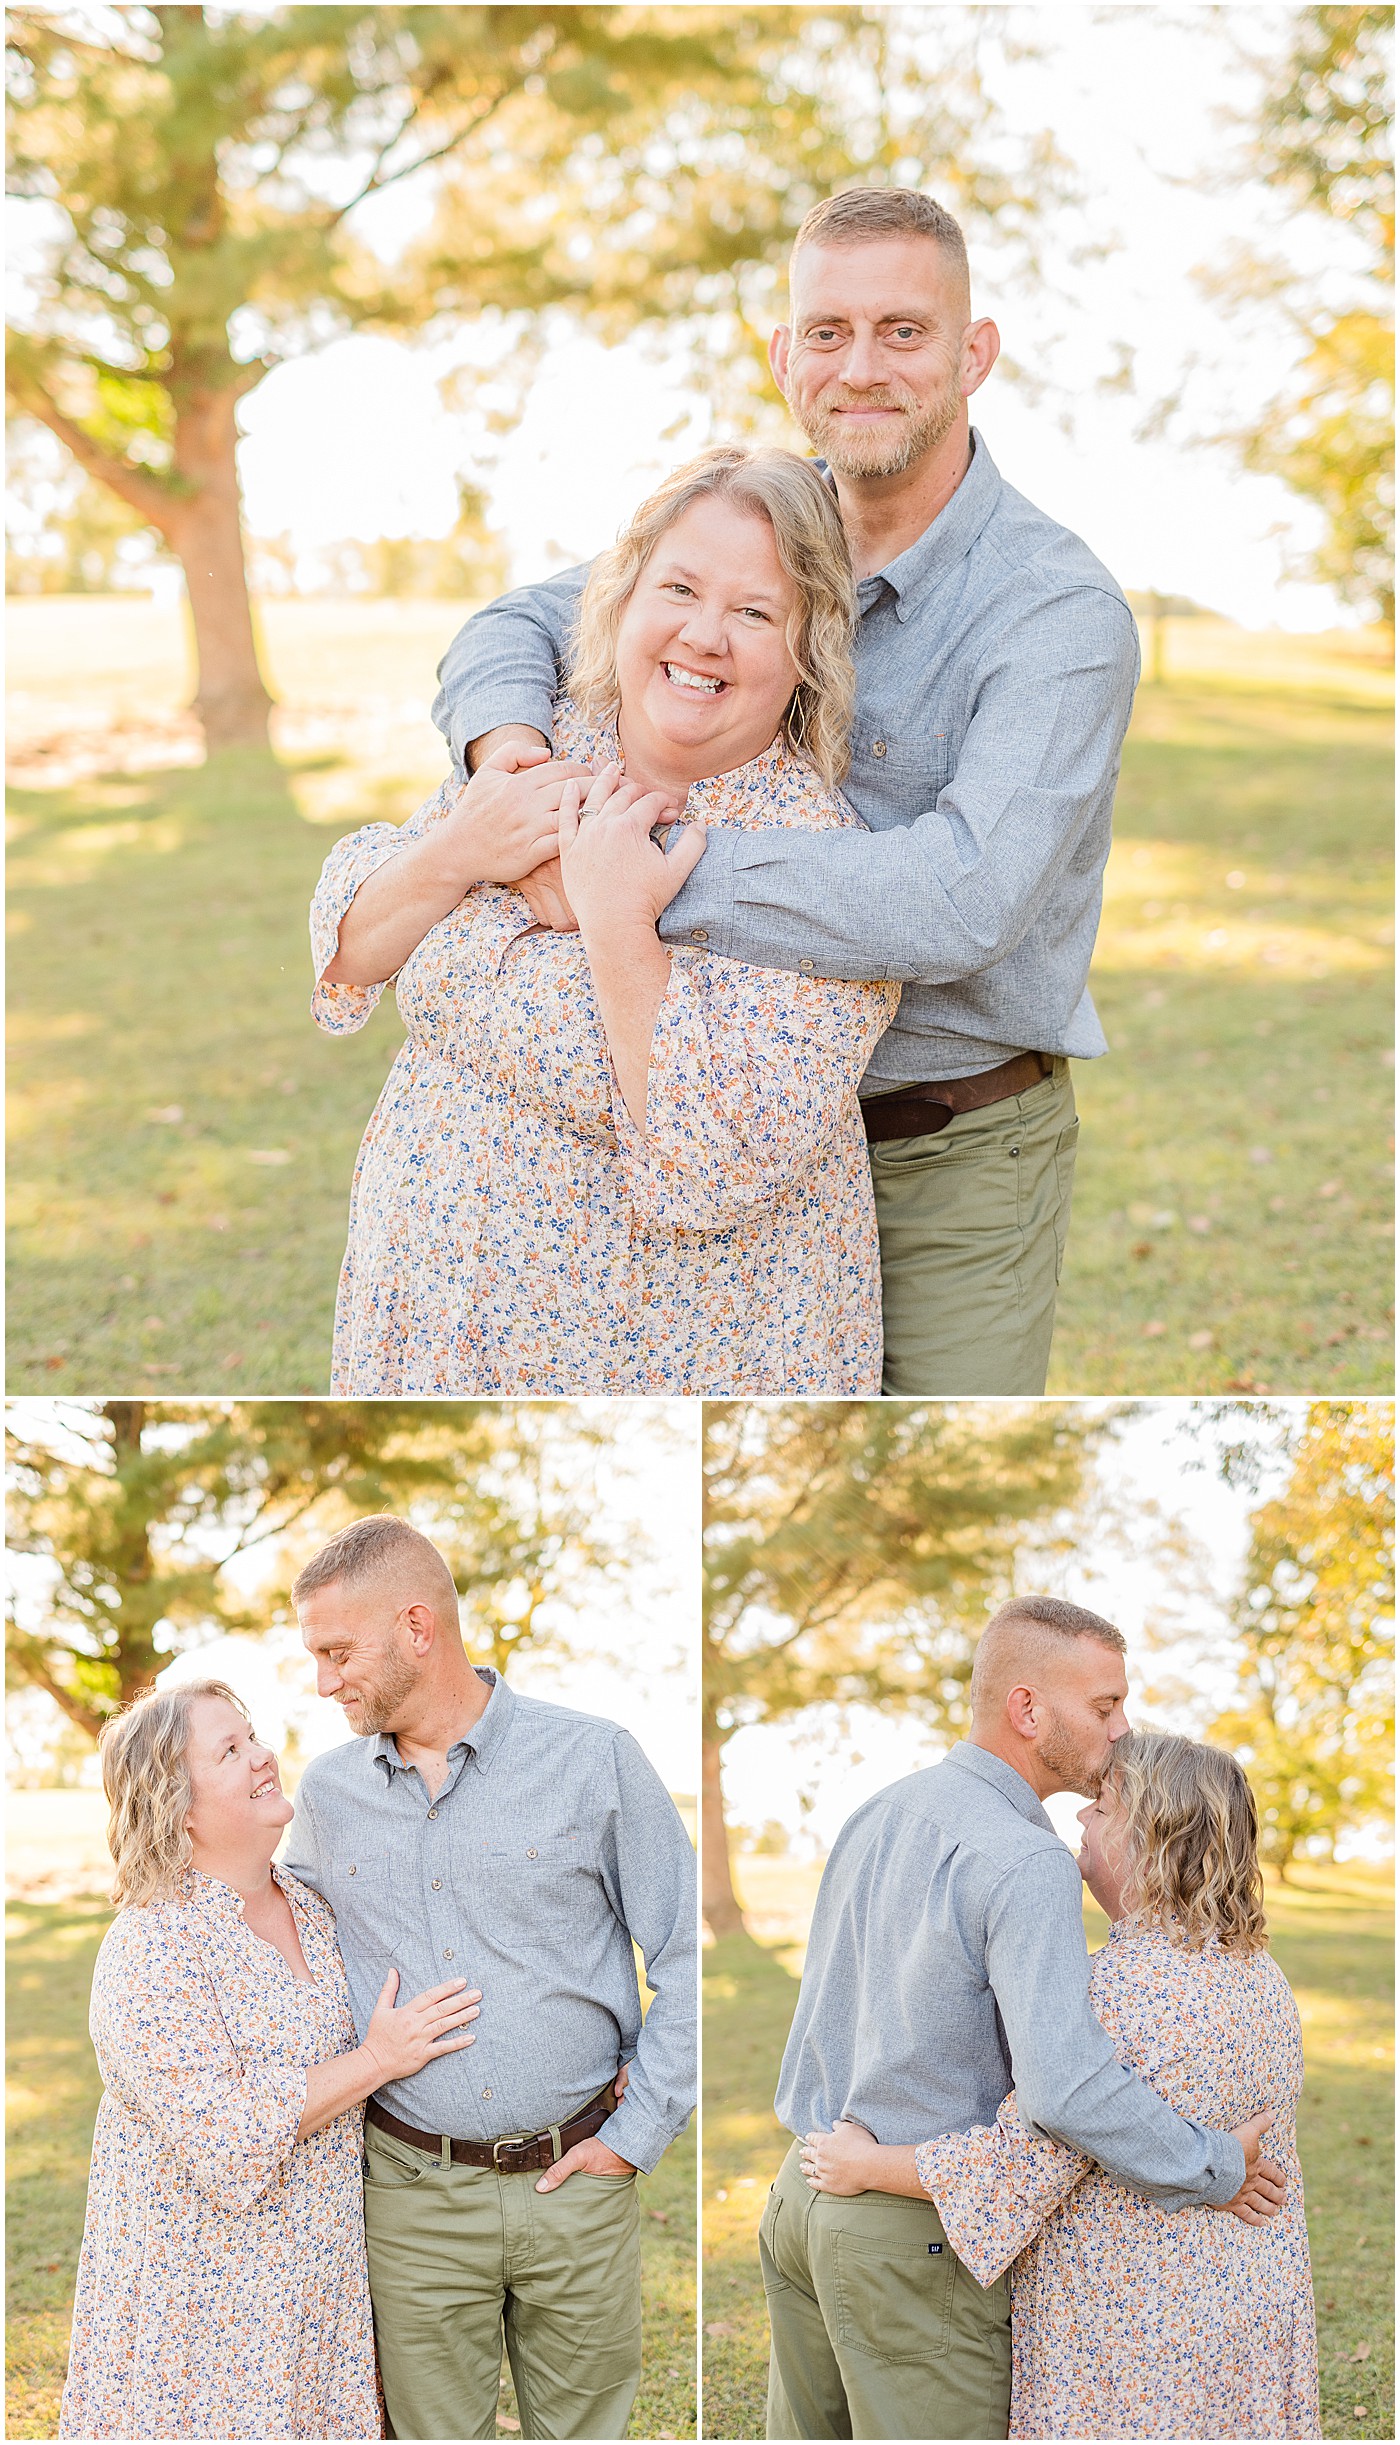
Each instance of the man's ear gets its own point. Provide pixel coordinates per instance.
(421, 1625)
(1020, 1711)
(980, 350)
(779, 351)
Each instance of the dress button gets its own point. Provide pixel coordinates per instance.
(877, 747)
(699, 935)
(447, 1952)
(437, 1884)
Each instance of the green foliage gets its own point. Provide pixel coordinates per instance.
(1323, 136)
(136, 1509)
(1315, 1721)
(851, 1547)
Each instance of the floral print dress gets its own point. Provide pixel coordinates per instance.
(1125, 2321)
(222, 2288)
(511, 1228)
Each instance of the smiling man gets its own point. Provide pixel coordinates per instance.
(525, 1846)
(996, 661)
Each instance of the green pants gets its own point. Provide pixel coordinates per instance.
(878, 2330)
(972, 1239)
(461, 2259)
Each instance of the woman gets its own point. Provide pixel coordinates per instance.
(1126, 2321)
(222, 2288)
(600, 1166)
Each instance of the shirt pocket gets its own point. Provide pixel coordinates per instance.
(534, 1880)
(901, 773)
(359, 1885)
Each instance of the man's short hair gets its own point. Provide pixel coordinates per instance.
(379, 1548)
(1050, 1621)
(861, 213)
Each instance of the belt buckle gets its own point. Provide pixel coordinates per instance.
(517, 2139)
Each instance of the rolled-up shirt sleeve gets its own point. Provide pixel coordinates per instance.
(752, 1074)
(1070, 2085)
(995, 2187)
(649, 1874)
(507, 663)
(962, 887)
(228, 2127)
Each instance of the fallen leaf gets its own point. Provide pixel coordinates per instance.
(1198, 1222)
(267, 1154)
(1261, 1154)
(719, 2330)
(218, 1222)
(511, 2427)
(170, 1114)
(165, 1197)
(1362, 2352)
(657, 2216)
(1200, 1341)
(1141, 1247)
(153, 1324)
(1330, 1188)
(234, 1359)
(55, 1362)
(1153, 1331)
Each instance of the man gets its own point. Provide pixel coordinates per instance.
(946, 1965)
(471, 1832)
(996, 661)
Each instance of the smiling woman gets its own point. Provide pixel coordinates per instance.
(599, 1165)
(222, 2288)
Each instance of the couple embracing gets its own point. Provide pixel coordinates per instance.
(1029, 2195)
(372, 2114)
(743, 958)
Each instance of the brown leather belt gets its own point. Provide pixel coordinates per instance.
(919, 1112)
(518, 2152)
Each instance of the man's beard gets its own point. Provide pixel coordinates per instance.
(1061, 1755)
(381, 1701)
(850, 452)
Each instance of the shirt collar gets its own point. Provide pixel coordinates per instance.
(947, 539)
(481, 1742)
(1003, 1778)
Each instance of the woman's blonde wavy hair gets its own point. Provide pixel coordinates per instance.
(146, 1776)
(1191, 1841)
(811, 544)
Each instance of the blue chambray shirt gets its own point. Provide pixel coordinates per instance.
(552, 1846)
(947, 1965)
(996, 661)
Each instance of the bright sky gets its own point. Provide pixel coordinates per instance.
(640, 1648)
(358, 439)
(1161, 1476)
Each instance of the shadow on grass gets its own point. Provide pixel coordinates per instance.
(184, 1136)
(749, 2003)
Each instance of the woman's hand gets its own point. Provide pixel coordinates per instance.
(842, 2161)
(614, 874)
(402, 2041)
(506, 820)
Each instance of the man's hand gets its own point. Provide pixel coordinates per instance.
(507, 734)
(543, 889)
(1265, 2185)
(590, 2156)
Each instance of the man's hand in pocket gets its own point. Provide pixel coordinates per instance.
(590, 2156)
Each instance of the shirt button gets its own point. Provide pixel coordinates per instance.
(699, 935)
(806, 966)
(532, 1853)
(447, 1952)
(877, 747)
(352, 1871)
(432, 1812)
(437, 1884)
(486, 2092)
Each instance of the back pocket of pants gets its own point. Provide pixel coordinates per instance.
(894, 2298)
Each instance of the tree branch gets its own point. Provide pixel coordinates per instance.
(375, 185)
(145, 494)
(27, 1655)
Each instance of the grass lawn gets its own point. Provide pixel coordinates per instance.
(53, 2095)
(184, 1138)
(1332, 1934)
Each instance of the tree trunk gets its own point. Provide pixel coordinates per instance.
(207, 532)
(719, 1902)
